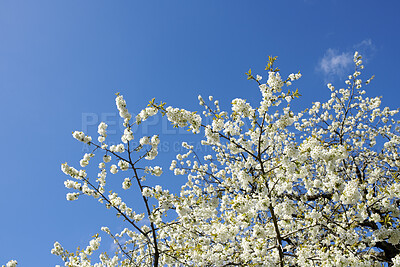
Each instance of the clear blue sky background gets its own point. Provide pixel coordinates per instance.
(62, 61)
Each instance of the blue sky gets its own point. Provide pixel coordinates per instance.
(62, 61)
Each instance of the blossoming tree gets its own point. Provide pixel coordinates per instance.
(318, 187)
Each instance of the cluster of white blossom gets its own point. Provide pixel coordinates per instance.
(123, 111)
(271, 89)
(11, 263)
(145, 114)
(126, 184)
(71, 171)
(241, 108)
(113, 169)
(81, 257)
(85, 161)
(153, 142)
(145, 140)
(120, 148)
(181, 118)
(127, 136)
(293, 76)
(123, 165)
(157, 170)
(102, 131)
(80, 136)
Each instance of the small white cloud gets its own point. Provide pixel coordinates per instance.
(366, 48)
(335, 63)
(364, 43)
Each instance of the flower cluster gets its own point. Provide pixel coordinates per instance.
(85, 161)
(157, 170)
(240, 107)
(80, 136)
(102, 131)
(123, 111)
(181, 118)
(127, 136)
(117, 148)
(11, 263)
(123, 165)
(145, 114)
(275, 81)
(153, 142)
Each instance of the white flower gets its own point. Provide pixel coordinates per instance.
(106, 159)
(72, 196)
(11, 263)
(57, 249)
(121, 105)
(71, 171)
(145, 140)
(181, 118)
(80, 136)
(147, 192)
(127, 136)
(85, 161)
(72, 184)
(113, 169)
(126, 184)
(117, 148)
(275, 81)
(146, 113)
(350, 194)
(201, 100)
(105, 229)
(123, 165)
(151, 154)
(240, 107)
(155, 140)
(101, 129)
(396, 261)
(157, 170)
